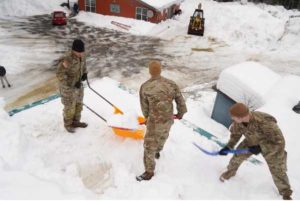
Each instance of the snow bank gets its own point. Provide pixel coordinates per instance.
(28, 7)
(138, 27)
(247, 82)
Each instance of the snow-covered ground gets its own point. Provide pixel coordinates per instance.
(42, 157)
(39, 160)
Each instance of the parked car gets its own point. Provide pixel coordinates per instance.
(59, 18)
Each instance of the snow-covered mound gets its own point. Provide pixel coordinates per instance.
(247, 82)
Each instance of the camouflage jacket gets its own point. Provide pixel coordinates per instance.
(68, 76)
(156, 98)
(262, 130)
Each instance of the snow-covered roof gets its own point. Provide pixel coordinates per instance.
(161, 4)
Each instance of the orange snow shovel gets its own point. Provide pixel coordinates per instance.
(117, 110)
(124, 132)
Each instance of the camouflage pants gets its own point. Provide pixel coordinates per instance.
(72, 101)
(276, 158)
(155, 139)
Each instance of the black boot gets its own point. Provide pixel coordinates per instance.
(78, 124)
(145, 176)
(287, 197)
(70, 129)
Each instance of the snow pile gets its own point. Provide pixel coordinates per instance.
(290, 38)
(138, 27)
(28, 7)
(128, 121)
(248, 83)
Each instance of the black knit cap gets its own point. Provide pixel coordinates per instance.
(78, 45)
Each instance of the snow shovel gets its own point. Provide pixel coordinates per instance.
(216, 153)
(117, 110)
(124, 132)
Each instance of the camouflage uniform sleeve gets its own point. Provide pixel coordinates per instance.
(271, 133)
(235, 136)
(144, 103)
(62, 75)
(180, 102)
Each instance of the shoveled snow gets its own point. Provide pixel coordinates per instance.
(247, 82)
(95, 163)
(128, 121)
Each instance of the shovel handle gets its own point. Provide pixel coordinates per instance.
(117, 110)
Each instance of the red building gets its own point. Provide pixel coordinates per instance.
(149, 10)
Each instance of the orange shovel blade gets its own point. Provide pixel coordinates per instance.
(118, 111)
(136, 134)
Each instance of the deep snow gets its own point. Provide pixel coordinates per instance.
(38, 155)
(95, 163)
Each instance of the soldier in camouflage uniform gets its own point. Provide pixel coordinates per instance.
(262, 135)
(156, 98)
(71, 72)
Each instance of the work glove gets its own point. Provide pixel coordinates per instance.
(84, 77)
(78, 84)
(224, 151)
(255, 149)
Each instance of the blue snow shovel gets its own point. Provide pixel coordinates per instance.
(216, 153)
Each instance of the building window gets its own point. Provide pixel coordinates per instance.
(141, 13)
(114, 8)
(170, 12)
(90, 6)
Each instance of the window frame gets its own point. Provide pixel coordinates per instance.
(141, 14)
(89, 7)
(111, 5)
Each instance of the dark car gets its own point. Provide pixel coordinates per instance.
(59, 18)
